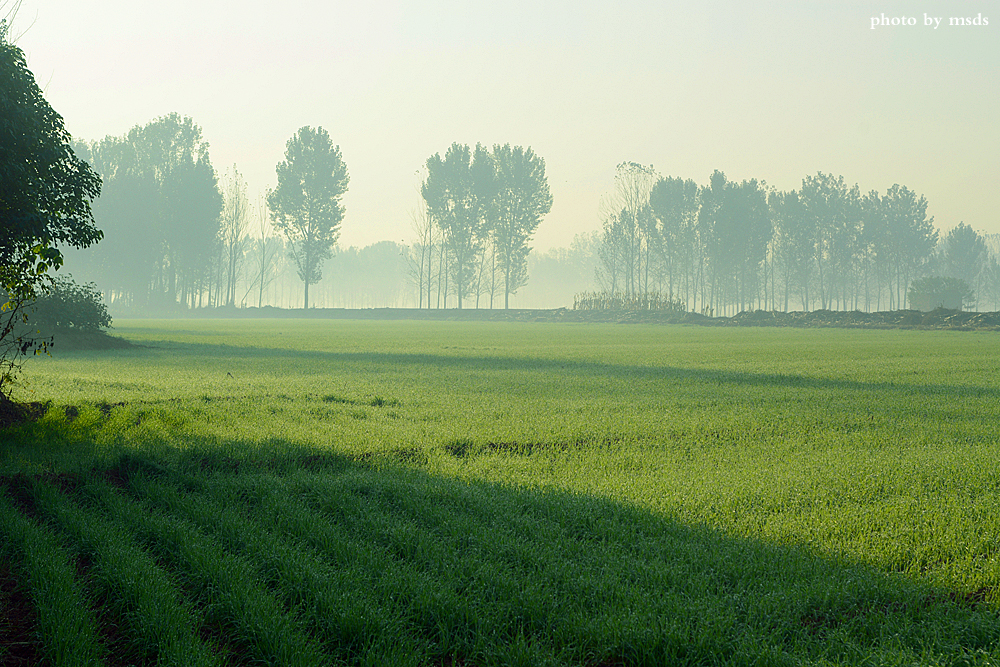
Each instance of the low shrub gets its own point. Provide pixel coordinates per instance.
(70, 305)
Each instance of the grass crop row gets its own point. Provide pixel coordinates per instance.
(507, 493)
(232, 598)
(162, 625)
(502, 578)
(66, 628)
(332, 600)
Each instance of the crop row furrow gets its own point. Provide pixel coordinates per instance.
(224, 582)
(411, 574)
(561, 584)
(332, 600)
(161, 622)
(400, 590)
(66, 629)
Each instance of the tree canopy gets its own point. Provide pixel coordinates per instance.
(45, 189)
(522, 199)
(160, 208)
(45, 200)
(487, 206)
(306, 203)
(458, 193)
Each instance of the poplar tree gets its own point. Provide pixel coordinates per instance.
(522, 199)
(306, 204)
(458, 192)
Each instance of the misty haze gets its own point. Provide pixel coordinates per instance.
(440, 334)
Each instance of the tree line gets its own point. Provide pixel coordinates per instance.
(730, 246)
(481, 209)
(178, 235)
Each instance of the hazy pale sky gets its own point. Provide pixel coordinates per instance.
(772, 90)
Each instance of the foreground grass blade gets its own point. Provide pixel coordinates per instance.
(163, 623)
(224, 582)
(66, 627)
(334, 600)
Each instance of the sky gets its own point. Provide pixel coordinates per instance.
(772, 90)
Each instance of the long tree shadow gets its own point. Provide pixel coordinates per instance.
(458, 572)
(597, 369)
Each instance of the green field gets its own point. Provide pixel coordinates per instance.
(505, 493)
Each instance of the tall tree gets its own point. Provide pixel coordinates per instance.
(522, 199)
(911, 233)
(460, 190)
(160, 210)
(965, 254)
(306, 204)
(422, 253)
(233, 230)
(836, 215)
(874, 246)
(628, 222)
(192, 203)
(45, 200)
(264, 250)
(795, 244)
(753, 232)
(612, 272)
(173, 151)
(713, 228)
(674, 203)
(129, 211)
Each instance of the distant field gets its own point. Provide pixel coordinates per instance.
(506, 493)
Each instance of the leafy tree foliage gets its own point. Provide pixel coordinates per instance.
(793, 244)
(735, 222)
(487, 206)
(933, 292)
(306, 204)
(458, 191)
(674, 203)
(45, 190)
(965, 253)
(833, 211)
(748, 246)
(45, 202)
(522, 200)
(70, 305)
(912, 237)
(160, 208)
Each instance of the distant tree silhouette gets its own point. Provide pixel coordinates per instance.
(965, 254)
(160, 210)
(306, 203)
(235, 222)
(629, 225)
(460, 190)
(522, 199)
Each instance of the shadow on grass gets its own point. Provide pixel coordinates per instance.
(570, 368)
(476, 573)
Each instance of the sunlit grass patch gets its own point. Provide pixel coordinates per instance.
(511, 493)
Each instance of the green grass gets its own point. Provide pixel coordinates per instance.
(68, 633)
(462, 493)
